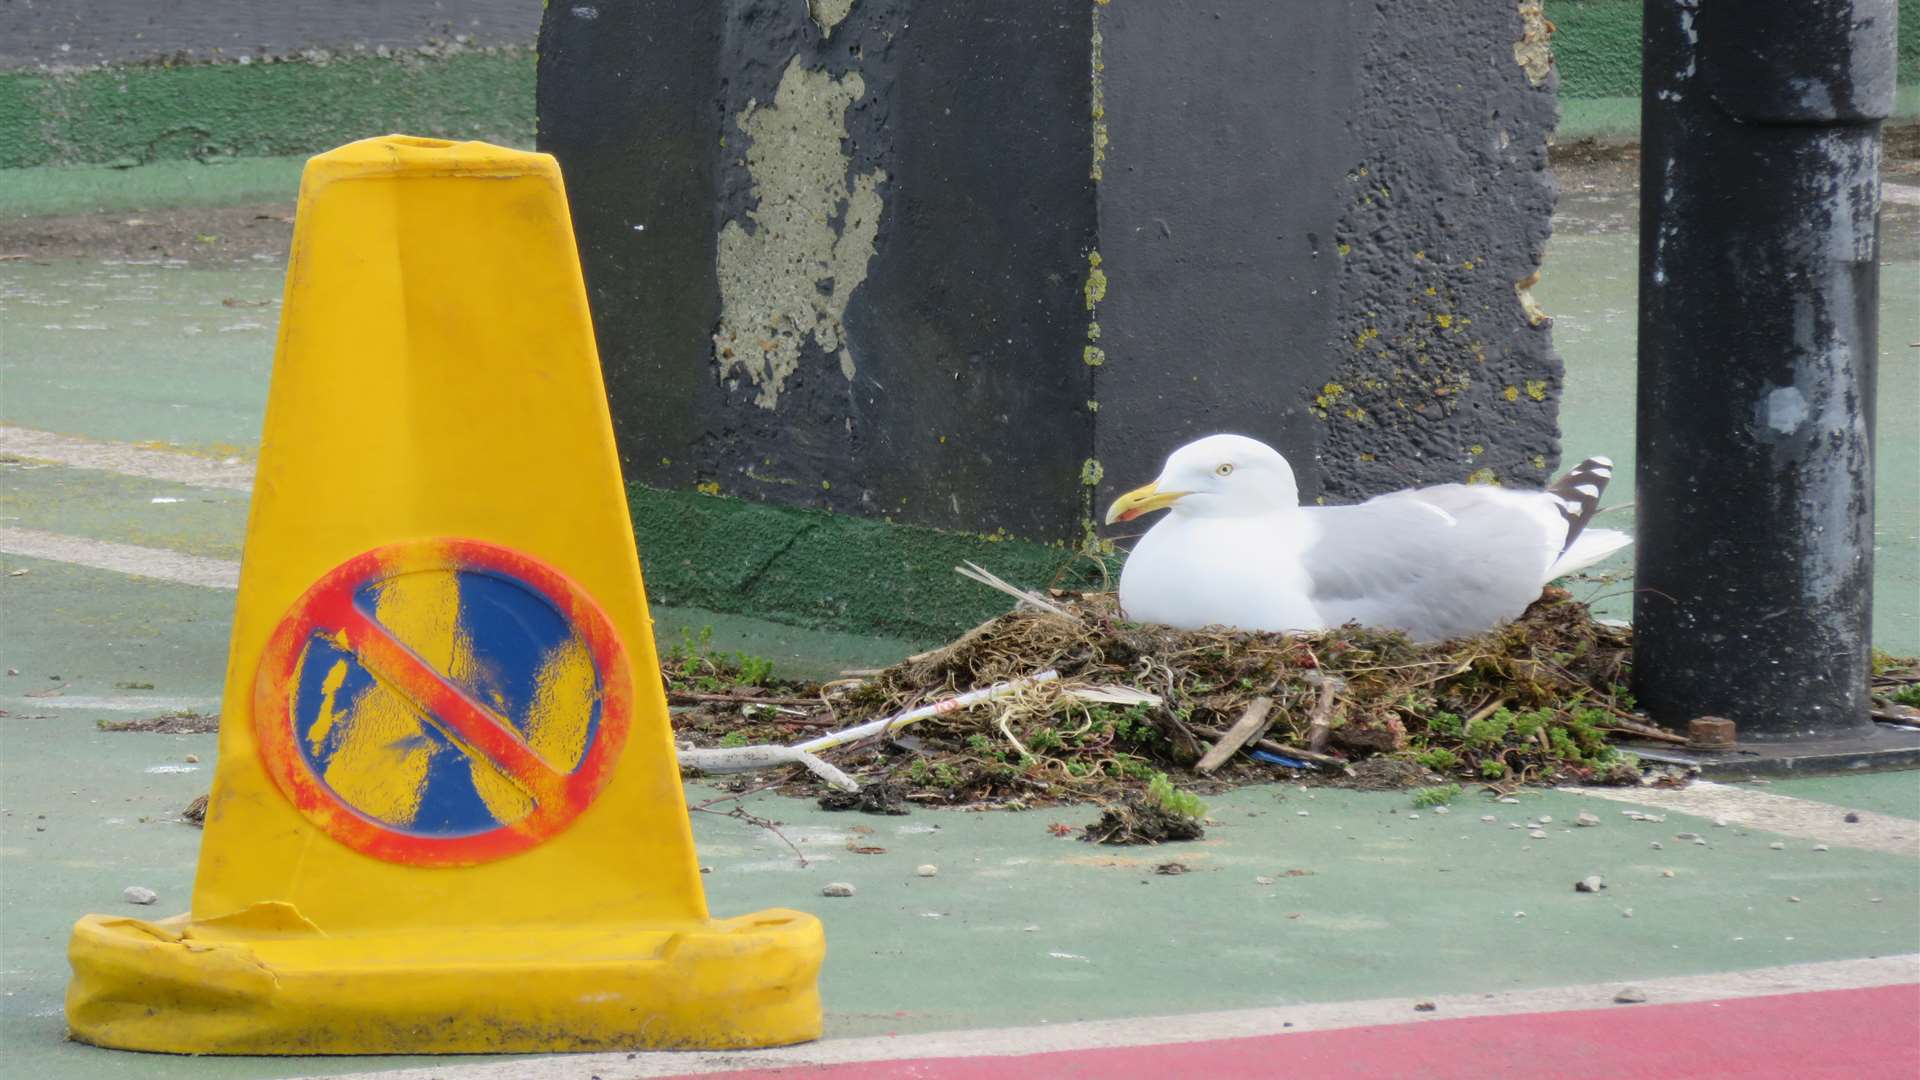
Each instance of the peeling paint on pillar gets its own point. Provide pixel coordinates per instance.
(786, 277)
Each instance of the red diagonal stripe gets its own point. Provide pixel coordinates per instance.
(478, 728)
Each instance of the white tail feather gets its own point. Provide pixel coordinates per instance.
(1591, 546)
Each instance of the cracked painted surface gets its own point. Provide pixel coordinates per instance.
(787, 280)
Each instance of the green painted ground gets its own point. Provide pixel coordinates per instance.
(82, 189)
(1893, 793)
(1021, 926)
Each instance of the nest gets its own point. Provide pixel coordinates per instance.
(1535, 701)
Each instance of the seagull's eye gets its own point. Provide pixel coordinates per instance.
(1225, 469)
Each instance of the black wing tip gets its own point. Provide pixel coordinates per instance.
(1578, 493)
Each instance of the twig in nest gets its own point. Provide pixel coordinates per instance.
(1645, 731)
(973, 571)
(689, 697)
(1251, 725)
(1280, 748)
(1320, 723)
(741, 813)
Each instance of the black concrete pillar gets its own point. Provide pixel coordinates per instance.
(1759, 281)
(981, 265)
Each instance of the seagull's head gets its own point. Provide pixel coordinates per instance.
(1218, 476)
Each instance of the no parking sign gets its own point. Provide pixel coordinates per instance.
(445, 815)
(442, 702)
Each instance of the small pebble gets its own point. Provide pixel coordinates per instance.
(1545, 819)
(1686, 836)
(1719, 823)
(1819, 847)
(1700, 840)
(1300, 813)
(192, 759)
(140, 894)
(1793, 899)
(926, 870)
(1590, 883)
(1852, 818)
(1413, 817)
(1488, 818)
(1441, 810)
(1778, 846)
(1586, 820)
(1656, 845)
(706, 869)
(1424, 1006)
(1626, 913)
(1536, 834)
(836, 888)
(1510, 800)
(1263, 880)
(1519, 914)
(1631, 995)
(1666, 873)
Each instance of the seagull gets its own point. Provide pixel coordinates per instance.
(1237, 549)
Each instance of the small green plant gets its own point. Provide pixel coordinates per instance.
(754, 670)
(1436, 796)
(1493, 769)
(1907, 695)
(1439, 759)
(734, 738)
(1162, 793)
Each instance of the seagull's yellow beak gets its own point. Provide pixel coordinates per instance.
(1142, 500)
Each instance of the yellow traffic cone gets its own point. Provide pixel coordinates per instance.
(446, 815)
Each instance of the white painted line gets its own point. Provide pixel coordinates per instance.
(1902, 194)
(1783, 814)
(140, 703)
(1194, 1027)
(126, 459)
(144, 562)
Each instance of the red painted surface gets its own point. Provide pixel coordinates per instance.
(328, 608)
(1852, 1034)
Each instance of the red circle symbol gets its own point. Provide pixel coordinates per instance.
(443, 702)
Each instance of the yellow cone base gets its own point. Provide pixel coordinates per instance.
(267, 982)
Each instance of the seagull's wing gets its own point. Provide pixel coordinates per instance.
(1436, 562)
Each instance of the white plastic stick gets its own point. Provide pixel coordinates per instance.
(726, 759)
(938, 708)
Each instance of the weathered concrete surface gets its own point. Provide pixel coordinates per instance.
(838, 269)
(977, 268)
(1444, 372)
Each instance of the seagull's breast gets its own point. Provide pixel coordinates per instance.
(1244, 572)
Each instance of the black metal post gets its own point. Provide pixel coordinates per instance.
(1759, 286)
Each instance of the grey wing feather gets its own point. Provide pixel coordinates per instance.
(1438, 562)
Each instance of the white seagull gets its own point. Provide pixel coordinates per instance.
(1237, 549)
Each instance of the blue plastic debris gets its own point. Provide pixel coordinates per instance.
(1277, 759)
